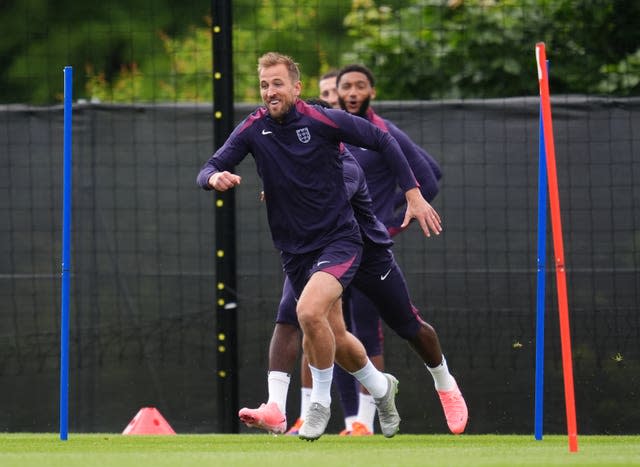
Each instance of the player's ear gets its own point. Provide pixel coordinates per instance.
(297, 88)
(373, 93)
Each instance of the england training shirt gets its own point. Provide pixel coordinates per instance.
(299, 164)
(371, 228)
(388, 204)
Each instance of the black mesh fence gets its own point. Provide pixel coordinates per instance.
(143, 281)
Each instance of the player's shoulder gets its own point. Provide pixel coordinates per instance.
(254, 117)
(316, 113)
(392, 127)
(258, 114)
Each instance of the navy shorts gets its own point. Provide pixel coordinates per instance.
(341, 259)
(381, 282)
(287, 307)
(380, 279)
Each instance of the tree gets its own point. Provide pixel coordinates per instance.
(484, 48)
(304, 29)
(39, 38)
(141, 50)
(188, 77)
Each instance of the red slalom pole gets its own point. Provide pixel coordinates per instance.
(558, 247)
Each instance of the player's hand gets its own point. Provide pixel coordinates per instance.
(426, 215)
(222, 181)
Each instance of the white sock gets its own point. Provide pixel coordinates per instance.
(442, 379)
(278, 383)
(305, 397)
(372, 379)
(321, 389)
(348, 422)
(366, 410)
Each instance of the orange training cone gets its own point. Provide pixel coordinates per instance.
(148, 421)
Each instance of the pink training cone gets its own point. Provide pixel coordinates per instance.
(148, 421)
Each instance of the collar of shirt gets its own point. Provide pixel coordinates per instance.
(291, 116)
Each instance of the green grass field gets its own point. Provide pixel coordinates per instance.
(105, 450)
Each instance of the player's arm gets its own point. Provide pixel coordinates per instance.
(217, 173)
(360, 132)
(351, 172)
(418, 161)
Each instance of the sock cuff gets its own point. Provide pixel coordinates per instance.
(364, 370)
(443, 364)
(279, 376)
(326, 374)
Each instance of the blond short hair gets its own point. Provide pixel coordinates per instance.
(274, 58)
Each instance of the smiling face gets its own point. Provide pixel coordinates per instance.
(278, 90)
(355, 92)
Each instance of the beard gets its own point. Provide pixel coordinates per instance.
(362, 111)
(285, 107)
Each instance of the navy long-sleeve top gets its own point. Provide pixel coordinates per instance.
(371, 228)
(388, 203)
(298, 160)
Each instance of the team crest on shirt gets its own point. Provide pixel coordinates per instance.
(303, 135)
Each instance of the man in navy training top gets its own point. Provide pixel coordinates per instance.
(369, 331)
(357, 405)
(296, 148)
(386, 291)
(356, 88)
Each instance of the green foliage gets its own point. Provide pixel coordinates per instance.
(40, 37)
(188, 78)
(485, 48)
(308, 30)
(304, 29)
(621, 78)
(136, 50)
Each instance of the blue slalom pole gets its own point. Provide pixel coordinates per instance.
(542, 257)
(66, 255)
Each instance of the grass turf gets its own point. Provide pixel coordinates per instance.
(105, 450)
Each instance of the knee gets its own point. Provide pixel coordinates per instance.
(308, 317)
(424, 333)
(285, 332)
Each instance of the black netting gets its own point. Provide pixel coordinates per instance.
(143, 284)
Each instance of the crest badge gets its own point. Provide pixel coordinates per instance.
(303, 135)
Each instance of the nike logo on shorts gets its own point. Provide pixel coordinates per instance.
(384, 276)
(266, 132)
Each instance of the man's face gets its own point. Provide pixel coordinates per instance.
(355, 92)
(278, 92)
(328, 91)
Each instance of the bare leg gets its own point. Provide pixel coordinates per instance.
(284, 348)
(426, 344)
(319, 297)
(314, 305)
(305, 373)
(350, 353)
